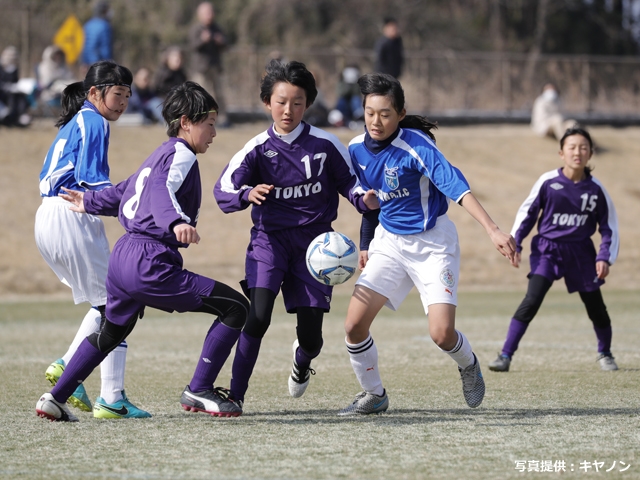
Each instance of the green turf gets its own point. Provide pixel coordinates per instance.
(555, 405)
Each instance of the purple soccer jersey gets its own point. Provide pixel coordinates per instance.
(145, 268)
(569, 213)
(165, 190)
(307, 176)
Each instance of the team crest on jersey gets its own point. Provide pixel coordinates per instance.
(270, 153)
(556, 186)
(391, 177)
(447, 277)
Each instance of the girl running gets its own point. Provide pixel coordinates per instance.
(76, 246)
(291, 175)
(568, 204)
(415, 243)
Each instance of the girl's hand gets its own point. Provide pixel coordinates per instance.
(371, 200)
(516, 260)
(75, 198)
(505, 244)
(257, 193)
(602, 269)
(363, 258)
(185, 233)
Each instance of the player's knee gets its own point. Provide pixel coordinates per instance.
(111, 335)
(356, 331)
(311, 344)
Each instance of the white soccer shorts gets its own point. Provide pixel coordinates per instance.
(76, 248)
(429, 260)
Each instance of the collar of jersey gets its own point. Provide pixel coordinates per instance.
(375, 146)
(91, 106)
(291, 136)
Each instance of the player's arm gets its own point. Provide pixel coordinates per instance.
(233, 190)
(92, 168)
(607, 218)
(503, 242)
(102, 202)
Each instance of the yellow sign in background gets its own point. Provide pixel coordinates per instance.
(70, 38)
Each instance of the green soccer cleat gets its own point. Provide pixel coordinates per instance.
(121, 409)
(79, 397)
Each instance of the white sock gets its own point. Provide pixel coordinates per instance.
(364, 360)
(461, 353)
(90, 324)
(112, 374)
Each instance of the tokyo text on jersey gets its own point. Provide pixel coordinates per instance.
(307, 176)
(571, 212)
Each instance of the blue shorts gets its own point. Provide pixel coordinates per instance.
(277, 261)
(144, 272)
(575, 261)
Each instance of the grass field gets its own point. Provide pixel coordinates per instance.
(555, 405)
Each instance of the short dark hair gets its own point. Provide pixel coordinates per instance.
(188, 99)
(576, 130)
(388, 20)
(295, 73)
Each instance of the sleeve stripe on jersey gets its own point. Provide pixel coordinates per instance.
(183, 160)
(612, 222)
(226, 185)
(523, 211)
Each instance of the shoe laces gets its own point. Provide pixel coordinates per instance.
(301, 374)
(225, 394)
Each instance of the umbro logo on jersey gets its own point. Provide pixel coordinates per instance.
(363, 167)
(270, 153)
(206, 360)
(556, 186)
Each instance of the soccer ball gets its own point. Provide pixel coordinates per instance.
(332, 258)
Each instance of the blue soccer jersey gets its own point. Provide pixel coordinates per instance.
(77, 158)
(413, 180)
(569, 212)
(307, 175)
(165, 191)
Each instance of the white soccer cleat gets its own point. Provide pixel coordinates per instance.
(299, 378)
(48, 407)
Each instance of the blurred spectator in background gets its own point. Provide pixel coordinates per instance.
(98, 36)
(348, 110)
(144, 99)
(207, 42)
(53, 75)
(13, 102)
(546, 118)
(171, 71)
(389, 50)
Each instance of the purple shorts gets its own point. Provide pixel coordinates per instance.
(278, 261)
(144, 272)
(574, 261)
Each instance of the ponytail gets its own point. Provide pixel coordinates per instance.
(419, 123)
(102, 75)
(73, 97)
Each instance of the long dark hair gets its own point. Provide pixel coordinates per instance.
(102, 75)
(578, 130)
(295, 73)
(388, 86)
(188, 99)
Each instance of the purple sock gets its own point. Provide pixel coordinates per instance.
(303, 359)
(515, 333)
(604, 339)
(243, 363)
(83, 362)
(217, 347)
